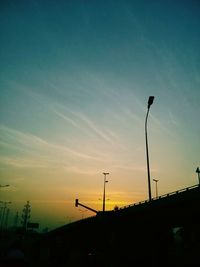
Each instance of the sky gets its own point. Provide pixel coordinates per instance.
(75, 78)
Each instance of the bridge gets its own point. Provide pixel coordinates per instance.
(163, 231)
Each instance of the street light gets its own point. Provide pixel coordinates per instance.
(156, 181)
(104, 188)
(198, 173)
(150, 102)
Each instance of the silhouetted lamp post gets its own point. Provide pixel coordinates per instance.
(156, 181)
(198, 173)
(150, 102)
(104, 189)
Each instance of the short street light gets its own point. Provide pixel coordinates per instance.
(150, 102)
(156, 181)
(198, 173)
(104, 188)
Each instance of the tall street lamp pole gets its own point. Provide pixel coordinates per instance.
(198, 173)
(104, 189)
(156, 181)
(150, 102)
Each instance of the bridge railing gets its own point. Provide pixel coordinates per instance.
(146, 201)
(162, 196)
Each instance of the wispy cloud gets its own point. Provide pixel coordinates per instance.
(132, 168)
(172, 118)
(92, 126)
(86, 124)
(21, 162)
(37, 151)
(20, 137)
(160, 126)
(67, 119)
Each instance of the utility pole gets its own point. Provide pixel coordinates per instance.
(26, 215)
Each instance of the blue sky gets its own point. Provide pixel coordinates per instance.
(75, 79)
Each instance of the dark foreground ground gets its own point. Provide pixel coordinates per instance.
(32, 249)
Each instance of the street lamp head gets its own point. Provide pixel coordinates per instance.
(105, 173)
(155, 180)
(150, 101)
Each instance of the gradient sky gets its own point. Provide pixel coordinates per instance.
(75, 77)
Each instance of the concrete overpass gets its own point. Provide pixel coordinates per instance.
(163, 231)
